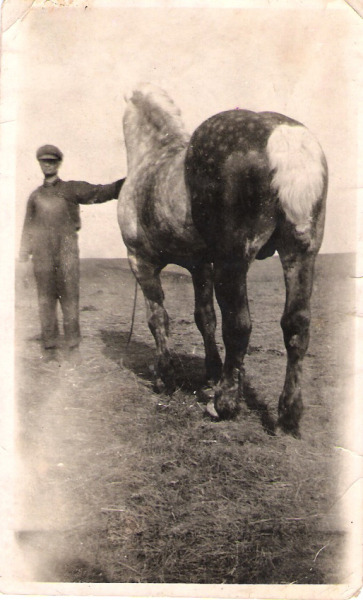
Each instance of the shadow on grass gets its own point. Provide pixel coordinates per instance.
(189, 371)
(139, 357)
(256, 405)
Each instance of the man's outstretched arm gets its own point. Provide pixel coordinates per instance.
(87, 193)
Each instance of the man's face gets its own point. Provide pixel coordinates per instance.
(49, 166)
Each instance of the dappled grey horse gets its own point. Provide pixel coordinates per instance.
(242, 187)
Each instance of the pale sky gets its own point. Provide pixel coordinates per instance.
(70, 68)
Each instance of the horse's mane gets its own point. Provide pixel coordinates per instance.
(161, 113)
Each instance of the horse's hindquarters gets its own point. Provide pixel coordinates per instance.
(257, 184)
(228, 178)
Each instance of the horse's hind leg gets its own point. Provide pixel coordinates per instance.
(205, 318)
(148, 276)
(298, 272)
(231, 293)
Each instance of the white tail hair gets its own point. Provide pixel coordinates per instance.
(296, 158)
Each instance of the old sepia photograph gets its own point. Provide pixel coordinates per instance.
(181, 268)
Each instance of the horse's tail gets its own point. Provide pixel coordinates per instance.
(298, 166)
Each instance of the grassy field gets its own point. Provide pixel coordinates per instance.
(118, 484)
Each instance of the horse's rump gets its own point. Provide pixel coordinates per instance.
(227, 173)
(245, 170)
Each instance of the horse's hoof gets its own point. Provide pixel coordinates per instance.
(159, 386)
(211, 411)
(290, 415)
(165, 376)
(206, 394)
(288, 427)
(226, 403)
(164, 387)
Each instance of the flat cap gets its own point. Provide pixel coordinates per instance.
(49, 151)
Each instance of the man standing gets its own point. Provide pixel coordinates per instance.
(50, 235)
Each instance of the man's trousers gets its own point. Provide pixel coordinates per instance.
(56, 270)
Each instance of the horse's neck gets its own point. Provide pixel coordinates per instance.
(137, 151)
(151, 146)
(151, 138)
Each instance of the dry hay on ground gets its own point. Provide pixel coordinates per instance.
(123, 485)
